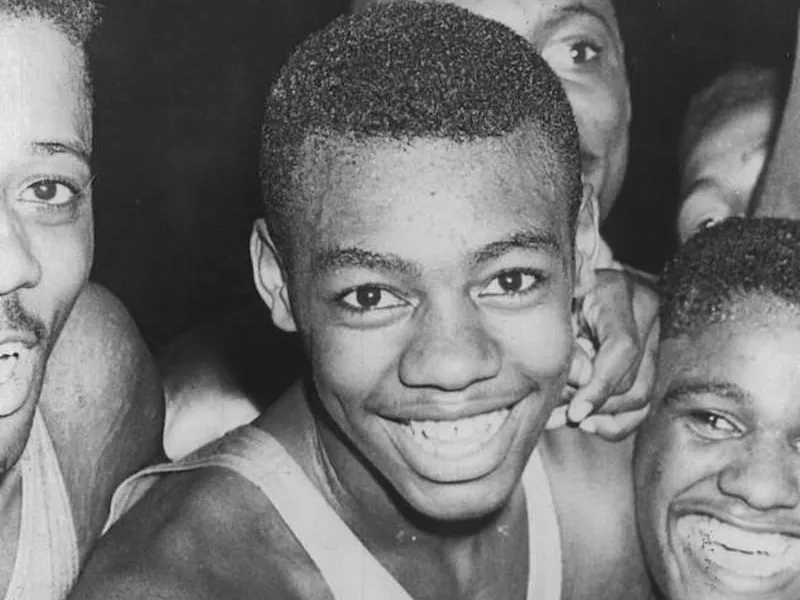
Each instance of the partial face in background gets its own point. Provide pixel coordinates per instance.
(723, 168)
(581, 42)
(717, 465)
(45, 210)
(432, 288)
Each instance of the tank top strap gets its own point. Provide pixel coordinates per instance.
(349, 569)
(544, 537)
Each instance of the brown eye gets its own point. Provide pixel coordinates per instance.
(48, 191)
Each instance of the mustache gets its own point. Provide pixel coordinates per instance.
(14, 317)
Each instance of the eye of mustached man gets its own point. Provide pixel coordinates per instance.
(45, 190)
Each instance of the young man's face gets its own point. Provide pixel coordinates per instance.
(581, 42)
(45, 210)
(717, 467)
(432, 287)
(723, 168)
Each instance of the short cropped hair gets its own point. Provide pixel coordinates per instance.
(406, 71)
(742, 86)
(726, 263)
(77, 19)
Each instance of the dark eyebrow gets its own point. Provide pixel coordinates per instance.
(336, 258)
(51, 148)
(539, 241)
(728, 391)
(342, 258)
(579, 9)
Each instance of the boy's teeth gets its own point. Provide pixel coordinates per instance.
(474, 429)
(8, 361)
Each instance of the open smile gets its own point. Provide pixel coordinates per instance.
(453, 450)
(740, 559)
(16, 368)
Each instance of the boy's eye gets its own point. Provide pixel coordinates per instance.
(48, 191)
(513, 282)
(370, 297)
(713, 426)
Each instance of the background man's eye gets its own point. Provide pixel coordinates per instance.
(583, 52)
(511, 283)
(368, 298)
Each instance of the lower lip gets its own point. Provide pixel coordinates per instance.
(454, 461)
(15, 379)
(738, 567)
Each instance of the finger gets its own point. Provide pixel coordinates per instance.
(638, 395)
(615, 427)
(613, 363)
(558, 418)
(581, 369)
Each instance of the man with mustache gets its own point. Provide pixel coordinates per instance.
(80, 403)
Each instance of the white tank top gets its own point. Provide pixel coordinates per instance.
(48, 561)
(331, 544)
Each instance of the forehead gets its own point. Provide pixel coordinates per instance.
(529, 17)
(43, 96)
(755, 347)
(430, 196)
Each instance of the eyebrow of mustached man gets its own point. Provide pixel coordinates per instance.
(52, 148)
(688, 390)
(537, 241)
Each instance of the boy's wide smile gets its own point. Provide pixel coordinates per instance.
(452, 450)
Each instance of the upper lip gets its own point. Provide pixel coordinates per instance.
(450, 411)
(23, 338)
(755, 523)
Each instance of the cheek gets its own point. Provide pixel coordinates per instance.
(65, 257)
(600, 111)
(539, 342)
(351, 364)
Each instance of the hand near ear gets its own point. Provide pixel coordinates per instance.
(613, 369)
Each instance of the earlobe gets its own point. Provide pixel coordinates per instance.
(587, 242)
(269, 277)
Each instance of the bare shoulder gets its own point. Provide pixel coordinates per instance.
(206, 533)
(103, 404)
(592, 486)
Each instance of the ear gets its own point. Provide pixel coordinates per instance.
(587, 242)
(270, 278)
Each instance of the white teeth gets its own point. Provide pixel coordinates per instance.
(8, 363)
(472, 430)
(714, 531)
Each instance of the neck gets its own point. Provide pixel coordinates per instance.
(379, 515)
(10, 514)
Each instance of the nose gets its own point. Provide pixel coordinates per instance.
(450, 350)
(18, 266)
(764, 477)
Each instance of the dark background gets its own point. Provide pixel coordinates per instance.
(179, 87)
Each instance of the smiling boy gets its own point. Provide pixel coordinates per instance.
(426, 234)
(717, 465)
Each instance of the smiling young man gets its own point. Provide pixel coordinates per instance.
(426, 235)
(210, 388)
(80, 404)
(717, 465)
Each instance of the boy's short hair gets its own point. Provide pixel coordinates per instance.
(407, 71)
(726, 263)
(77, 19)
(739, 87)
